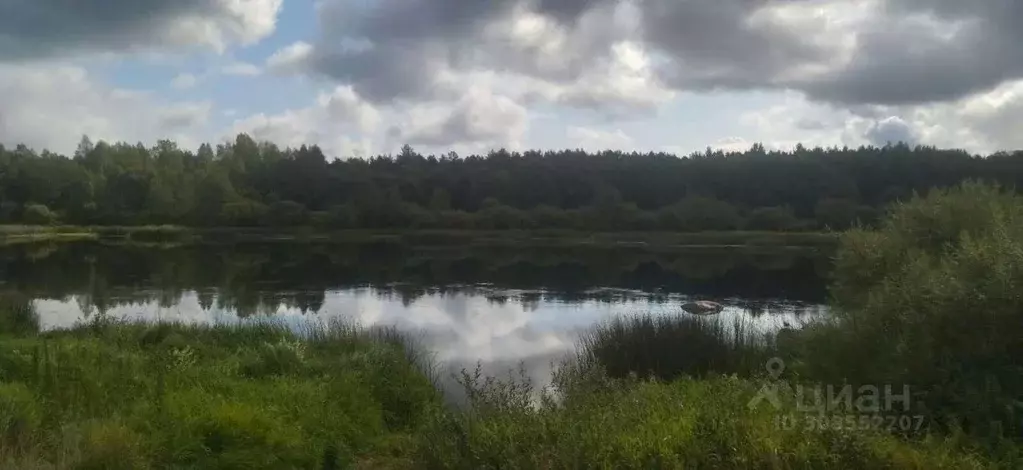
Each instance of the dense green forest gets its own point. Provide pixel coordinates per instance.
(249, 183)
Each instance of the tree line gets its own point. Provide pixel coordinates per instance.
(246, 183)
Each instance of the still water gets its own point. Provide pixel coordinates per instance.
(500, 306)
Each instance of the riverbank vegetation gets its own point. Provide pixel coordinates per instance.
(244, 183)
(128, 396)
(929, 301)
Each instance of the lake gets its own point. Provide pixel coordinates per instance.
(500, 305)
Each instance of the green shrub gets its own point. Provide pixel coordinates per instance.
(932, 300)
(777, 219)
(39, 214)
(287, 214)
(274, 359)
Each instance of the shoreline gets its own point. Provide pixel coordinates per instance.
(10, 234)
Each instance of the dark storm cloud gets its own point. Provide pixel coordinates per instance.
(908, 52)
(713, 46)
(411, 41)
(564, 11)
(955, 49)
(43, 28)
(415, 40)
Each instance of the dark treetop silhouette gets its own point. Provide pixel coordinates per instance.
(247, 183)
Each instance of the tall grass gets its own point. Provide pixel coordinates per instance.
(687, 423)
(669, 347)
(112, 394)
(122, 395)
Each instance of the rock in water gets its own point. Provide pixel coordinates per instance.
(702, 307)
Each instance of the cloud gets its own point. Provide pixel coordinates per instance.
(920, 51)
(52, 105)
(872, 52)
(340, 122)
(39, 29)
(291, 58)
(344, 124)
(595, 140)
(242, 69)
(479, 118)
(984, 122)
(981, 123)
(184, 116)
(892, 130)
(409, 51)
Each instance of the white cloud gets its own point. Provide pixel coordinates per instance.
(595, 140)
(52, 105)
(237, 21)
(480, 119)
(339, 122)
(982, 123)
(291, 58)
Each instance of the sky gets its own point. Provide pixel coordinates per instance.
(363, 77)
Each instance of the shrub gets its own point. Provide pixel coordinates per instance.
(287, 213)
(932, 300)
(772, 218)
(243, 213)
(696, 214)
(39, 214)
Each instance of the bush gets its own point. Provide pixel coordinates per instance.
(777, 219)
(287, 214)
(932, 300)
(698, 214)
(243, 213)
(39, 214)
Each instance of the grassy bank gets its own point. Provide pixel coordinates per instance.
(551, 238)
(130, 396)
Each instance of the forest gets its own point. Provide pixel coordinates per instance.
(246, 183)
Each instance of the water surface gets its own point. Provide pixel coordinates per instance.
(500, 306)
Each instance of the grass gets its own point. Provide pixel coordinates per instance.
(670, 347)
(687, 424)
(332, 395)
(117, 395)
